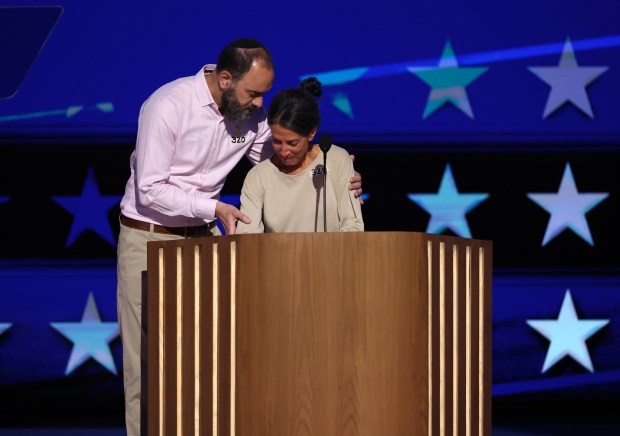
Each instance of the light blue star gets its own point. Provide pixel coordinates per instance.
(90, 338)
(568, 335)
(448, 82)
(90, 210)
(4, 327)
(448, 208)
(568, 82)
(568, 208)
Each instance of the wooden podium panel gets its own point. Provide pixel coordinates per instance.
(319, 334)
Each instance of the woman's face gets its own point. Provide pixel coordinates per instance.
(290, 147)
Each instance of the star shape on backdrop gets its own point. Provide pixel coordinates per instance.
(90, 210)
(567, 335)
(4, 327)
(90, 338)
(568, 208)
(448, 82)
(568, 82)
(448, 207)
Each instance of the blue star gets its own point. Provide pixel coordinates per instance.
(90, 210)
(568, 335)
(90, 338)
(568, 208)
(4, 327)
(448, 82)
(568, 82)
(448, 208)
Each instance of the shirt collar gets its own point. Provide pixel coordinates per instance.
(202, 90)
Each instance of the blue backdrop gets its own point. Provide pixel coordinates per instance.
(488, 119)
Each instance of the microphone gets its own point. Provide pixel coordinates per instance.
(325, 143)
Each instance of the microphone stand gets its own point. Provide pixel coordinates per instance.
(325, 143)
(324, 191)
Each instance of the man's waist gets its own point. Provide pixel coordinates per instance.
(186, 231)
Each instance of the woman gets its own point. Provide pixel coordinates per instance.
(285, 192)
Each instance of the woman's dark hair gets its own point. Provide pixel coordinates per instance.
(238, 56)
(297, 109)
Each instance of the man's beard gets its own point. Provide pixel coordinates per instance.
(232, 110)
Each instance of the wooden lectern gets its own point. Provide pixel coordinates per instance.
(326, 334)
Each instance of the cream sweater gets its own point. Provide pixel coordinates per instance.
(278, 202)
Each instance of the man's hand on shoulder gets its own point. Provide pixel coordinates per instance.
(355, 183)
(228, 216)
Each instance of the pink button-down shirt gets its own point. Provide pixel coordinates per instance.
(184, 151)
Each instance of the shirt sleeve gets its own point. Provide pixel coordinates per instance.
(349, 207)
(252, 200)
(155, 147)
(261, 149)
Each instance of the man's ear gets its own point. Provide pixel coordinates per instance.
(224, 79)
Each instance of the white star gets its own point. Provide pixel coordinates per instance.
(90, 338)
(568, 208)
(448, 208)
(568, 335)
(4, 327)
(568, 81)
(90, 210)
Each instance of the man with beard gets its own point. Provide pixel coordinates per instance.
(191, 134)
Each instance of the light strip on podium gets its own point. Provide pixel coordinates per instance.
(160, 348)
(429, 246)
(233, 333)
(455, 339)
(179, 341)
(216, 296)
(442, 338)
(197, 322)
(481, 315)
(468, 409)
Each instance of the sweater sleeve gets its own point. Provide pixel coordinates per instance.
(252, 200)
(349, 207)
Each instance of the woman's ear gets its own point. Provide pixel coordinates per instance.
(312, 134)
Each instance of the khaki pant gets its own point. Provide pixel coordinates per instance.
(131, 269)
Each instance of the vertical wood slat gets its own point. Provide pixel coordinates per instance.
(449, 338)
(233, 335)
(486, 274)
(224, 340)
(179, 341)
(152, 328)
(194, 424)
(461, 347)
(169, 345)
(455, 339)
(188, 340)
(434, 374)
(206, 343)
(475, 343)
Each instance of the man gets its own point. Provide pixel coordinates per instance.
(191, 134)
